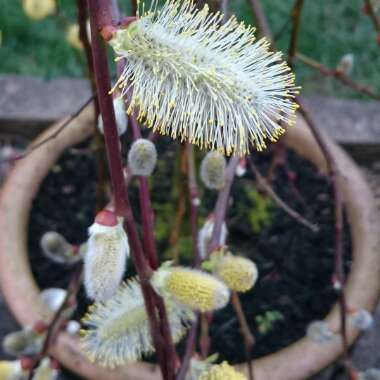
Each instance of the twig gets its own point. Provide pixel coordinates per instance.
(101, 17)
(370, 11)
(55, 134)
(249, 340)
(296, 18)
(341, 77)
(339, 279)
(278, 201)
(53, 328)
(261, 19)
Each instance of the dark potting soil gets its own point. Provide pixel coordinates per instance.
(295, 264)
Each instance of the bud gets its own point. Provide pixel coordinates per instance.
(72, 36)
(45, 371)
(53, 298)
(142, 157)
(241, 168)
(361, 319)
(117, 331)
(38, 9)
(192, 288)
(213, 170)
(107, 253)
(346, 64)
(73, 328)
(57, 249)
(238, 273)
(222, 371)
(11, 370)
(120, 116)
(23, 342)
(319, 332)
(205, 234)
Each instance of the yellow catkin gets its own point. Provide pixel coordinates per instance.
(38, 9)
(222, 372)
(10, 370)
(72, 36)
(238, 273)
(195, 289)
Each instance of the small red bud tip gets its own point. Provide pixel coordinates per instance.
(107, 32)
(292, 175)
(126, 21)
(365, 9)
(26, 363)
(39, 327)
(54, 364)
(75, 249)
(106, 218)
(378, 38)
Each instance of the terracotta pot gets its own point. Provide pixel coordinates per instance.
(298, 361)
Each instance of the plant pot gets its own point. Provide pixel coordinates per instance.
(298, 361)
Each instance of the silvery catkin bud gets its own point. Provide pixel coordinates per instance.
(346, 64)
(142, 157)
(57, 249)
(38, 9)
(193, 288)
(319, 332)
(107, 253)
(205, 234)
(120, 116)
(200, 80)
(23, 342)
(362, 319)
(213, 170)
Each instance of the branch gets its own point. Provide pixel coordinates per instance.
(296, 18)
(261, 19)
(278, 201)
(370, 11)
(341, 77)
(64, 124)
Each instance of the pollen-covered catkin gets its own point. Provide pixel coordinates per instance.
(222, 371)
(238, 273)
(38, 9)
(117, 331)
(105, 260)
(190, 287)
(207, 82)
(213, 170)
(120, 116)
(142, 157)
(11, 370)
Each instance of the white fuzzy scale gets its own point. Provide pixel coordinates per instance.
(205, 82)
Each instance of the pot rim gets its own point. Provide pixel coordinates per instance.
(295, 362)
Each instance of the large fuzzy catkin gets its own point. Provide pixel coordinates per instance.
(192, 288)
(117, 331)
(105, 260)
(202, 81)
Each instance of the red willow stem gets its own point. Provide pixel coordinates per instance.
(151, 251)
(100, 17)
(261, 20)
(296, 18)
(222, 203)
(370, 10)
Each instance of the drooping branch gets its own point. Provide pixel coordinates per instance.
(338, 75)
(296, 21)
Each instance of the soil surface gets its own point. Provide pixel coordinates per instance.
(295, 263)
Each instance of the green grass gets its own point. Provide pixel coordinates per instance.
(329, 30)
